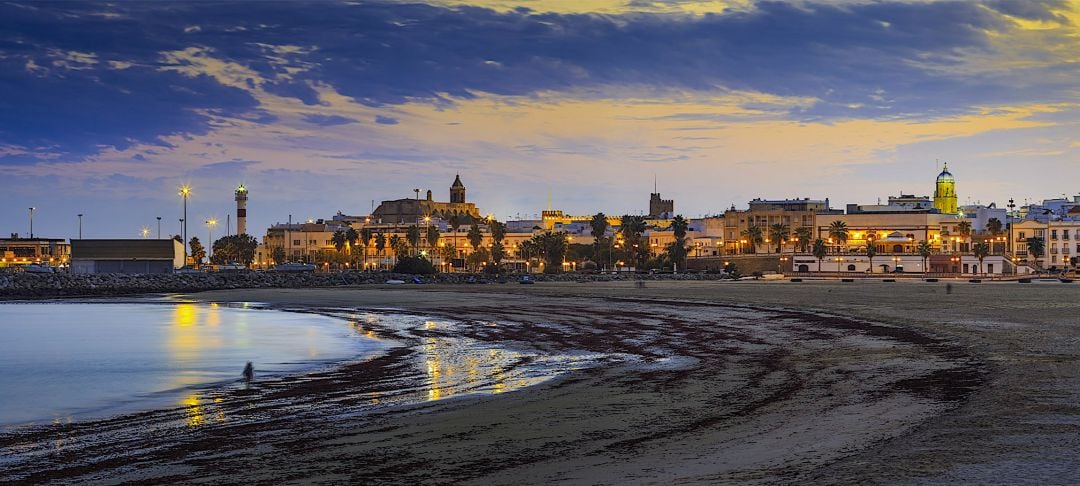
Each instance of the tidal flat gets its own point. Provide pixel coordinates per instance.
(688, 382)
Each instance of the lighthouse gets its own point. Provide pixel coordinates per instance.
(241, 210)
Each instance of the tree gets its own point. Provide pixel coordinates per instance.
(278, 255)
(677, 251)
(455, 223)
(820, 250)
(1036, 247)
(778, 233)
(235, 248)
(478, 258)
(399, 246)
(679, 225)
(754, 237)
(599, 225)
(432, 237)
(339, 239)
(632, 228)
(352, 236)
(448, 253)
(981, 250)
(498, 252)
(871, 251)
(838, 231)
(924, 250)
(198, 252)
(365, 237)
(498, 231)
(474, 236)
(805, 235)
(994, 227)
(412, 235)
(964, 228)
(380, 243)
(549, 246)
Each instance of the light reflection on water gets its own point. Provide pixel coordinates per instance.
(71, 361)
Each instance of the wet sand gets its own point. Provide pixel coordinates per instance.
(685, 382)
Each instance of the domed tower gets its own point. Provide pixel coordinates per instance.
(457, 191)
(945, 193)
(241, 210)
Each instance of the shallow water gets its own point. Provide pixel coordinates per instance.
(63, 362)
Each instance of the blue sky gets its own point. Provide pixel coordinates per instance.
(325, 106)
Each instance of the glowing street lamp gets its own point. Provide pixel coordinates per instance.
(144, 232)
(185, 191)
(210, 223)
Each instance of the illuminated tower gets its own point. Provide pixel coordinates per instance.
(945, 193)
(241, 210)
(457, 191)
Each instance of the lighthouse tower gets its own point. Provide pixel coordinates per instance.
(241, 210)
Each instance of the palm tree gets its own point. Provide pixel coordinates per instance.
(412, 235)
(778, 233)
(455, 223)
(871, 250)
(475, 237)
(805, 235)
(838, 231)
(981, 250)
(365, 237)
(632, 228)
(680, 226)
(754, 237)
(1036, 248)
(352, 236)
(380, 243)
(995, 228)
(599, 225)
(677, 249)
(964, 228)
(432, 237)
(820, 250)
(399, 246)
(924, 250)
(339, 239)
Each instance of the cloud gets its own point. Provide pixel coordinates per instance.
(327, 120)
(385, 120)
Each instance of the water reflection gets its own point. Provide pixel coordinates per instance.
(459, 365)
(198, 413)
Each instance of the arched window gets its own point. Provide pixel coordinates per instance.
(804, 268)
(898, 248)
(851, 268)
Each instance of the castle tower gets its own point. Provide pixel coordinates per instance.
(945, 192)
(457, 191)
(241, 210)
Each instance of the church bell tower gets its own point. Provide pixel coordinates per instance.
(945, 192)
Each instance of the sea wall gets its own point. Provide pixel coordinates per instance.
(28, 285)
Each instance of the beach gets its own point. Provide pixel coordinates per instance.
(607, 382)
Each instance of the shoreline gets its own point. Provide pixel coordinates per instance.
(784, 378)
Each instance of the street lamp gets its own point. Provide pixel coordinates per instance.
(185, 191)
(210, 223)
(32, 223)
(144, 232)
(80, 226)
(159, 227)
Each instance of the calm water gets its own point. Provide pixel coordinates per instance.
(76, 361)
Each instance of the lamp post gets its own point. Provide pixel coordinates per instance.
(80, 226)
(32, 223)
(210, 223)
(185, 191)
(158, 227)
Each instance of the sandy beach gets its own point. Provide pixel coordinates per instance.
(676, 382)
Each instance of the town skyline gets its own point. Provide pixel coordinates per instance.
(119, 105)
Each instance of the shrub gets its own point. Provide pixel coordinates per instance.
(414, 266)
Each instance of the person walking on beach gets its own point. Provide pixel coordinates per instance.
(249, 373)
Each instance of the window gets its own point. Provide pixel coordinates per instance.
(1053, 234)
(296, 242)
(1023, 236)
(1065, 234)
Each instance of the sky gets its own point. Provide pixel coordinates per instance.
(106, 109)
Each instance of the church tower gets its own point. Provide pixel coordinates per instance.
(945, 193)
(241, 210)
(457, 191)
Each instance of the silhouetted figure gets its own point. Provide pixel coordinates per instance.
(948, 288)
(249, 373)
